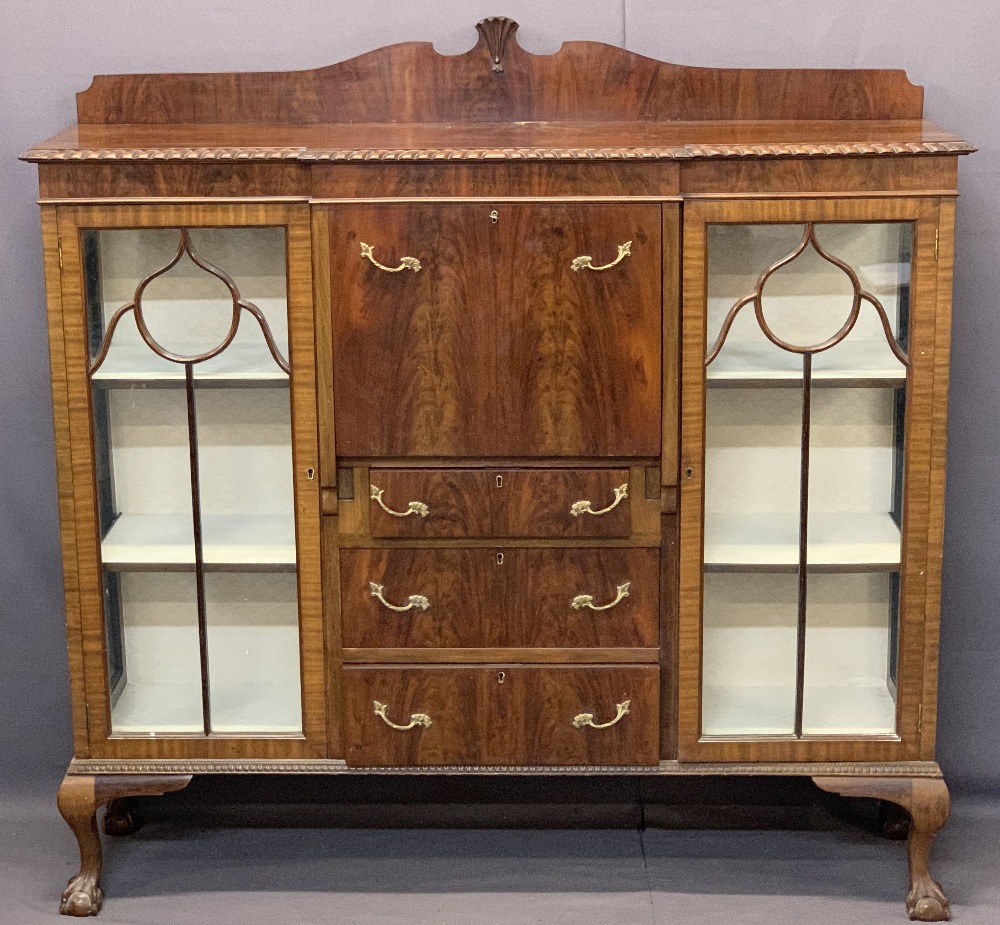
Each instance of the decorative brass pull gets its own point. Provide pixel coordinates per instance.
(412, 507)
(585, 507)
(405, 263)
(587, 600)
(587, 719)
(580, 263)
(414, 600)
(416, 719)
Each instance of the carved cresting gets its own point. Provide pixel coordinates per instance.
(497, 31)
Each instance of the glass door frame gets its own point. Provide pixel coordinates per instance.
(88, 648)
(926, 389)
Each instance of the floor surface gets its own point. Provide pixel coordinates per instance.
(174, 873)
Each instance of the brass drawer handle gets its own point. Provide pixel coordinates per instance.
(585, 507)
(580, 263)
(416, 719)
(414, 600)
(587, 600)
(405, 263)
(587, 719)
(412, 507)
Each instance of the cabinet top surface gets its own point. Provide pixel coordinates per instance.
(498, 102)
(430, 141)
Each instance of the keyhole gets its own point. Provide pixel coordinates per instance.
(499, 481)
(499, 558)
(500, 677)
(494, 216)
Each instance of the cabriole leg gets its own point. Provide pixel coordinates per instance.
(927, 802)
(80, 797)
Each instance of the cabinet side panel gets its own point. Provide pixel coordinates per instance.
(64, 476)
(939, 437)
(919, 512)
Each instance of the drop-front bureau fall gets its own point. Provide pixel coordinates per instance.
(501, 413)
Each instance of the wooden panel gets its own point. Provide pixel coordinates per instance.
(413, 352)
(502, 715)
(496, 346)
(500, 597)
(64, 477)
(451, 697)
(535, 709)
(519, 656)
(938, 447)
(578, 350)
(671, 323)
(491, 180)
(572, 141)
(838, 176)
(500, 502)
(411, 82)
(188, 180)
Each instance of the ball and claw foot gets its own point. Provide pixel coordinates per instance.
(82, 897)
(926, 902)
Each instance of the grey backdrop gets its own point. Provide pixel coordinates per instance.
(50, 50)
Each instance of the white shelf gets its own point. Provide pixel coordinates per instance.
(746, 710)
(139, 541)
(267, 708)
(854, 362)
(135, 364)
(761, 541)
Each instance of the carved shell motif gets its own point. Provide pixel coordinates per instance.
(497, 31)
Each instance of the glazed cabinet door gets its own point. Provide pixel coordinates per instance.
(496, 329)
(810, 345)
(189, 364)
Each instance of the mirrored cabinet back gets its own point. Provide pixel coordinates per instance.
(501, 413)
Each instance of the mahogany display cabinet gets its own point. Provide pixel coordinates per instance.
(501, 413)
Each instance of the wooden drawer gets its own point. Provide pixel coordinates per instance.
(461, 598)
(502, 715)
(499, 503)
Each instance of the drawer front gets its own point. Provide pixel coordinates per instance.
(502, 715)
(510, 503)
(492, 597)
(500, 336)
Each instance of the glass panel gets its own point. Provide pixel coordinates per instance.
(161, 687)
(749, 654)
(253, 645)
(247, 504)
(805, 412)
(847, 655)
(752, 466)
(808, 300)
(194, 473)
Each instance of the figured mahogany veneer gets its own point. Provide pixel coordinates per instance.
(496, 346)
(501, 503)
(501, 597)
(502, 715)
(524, 592)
